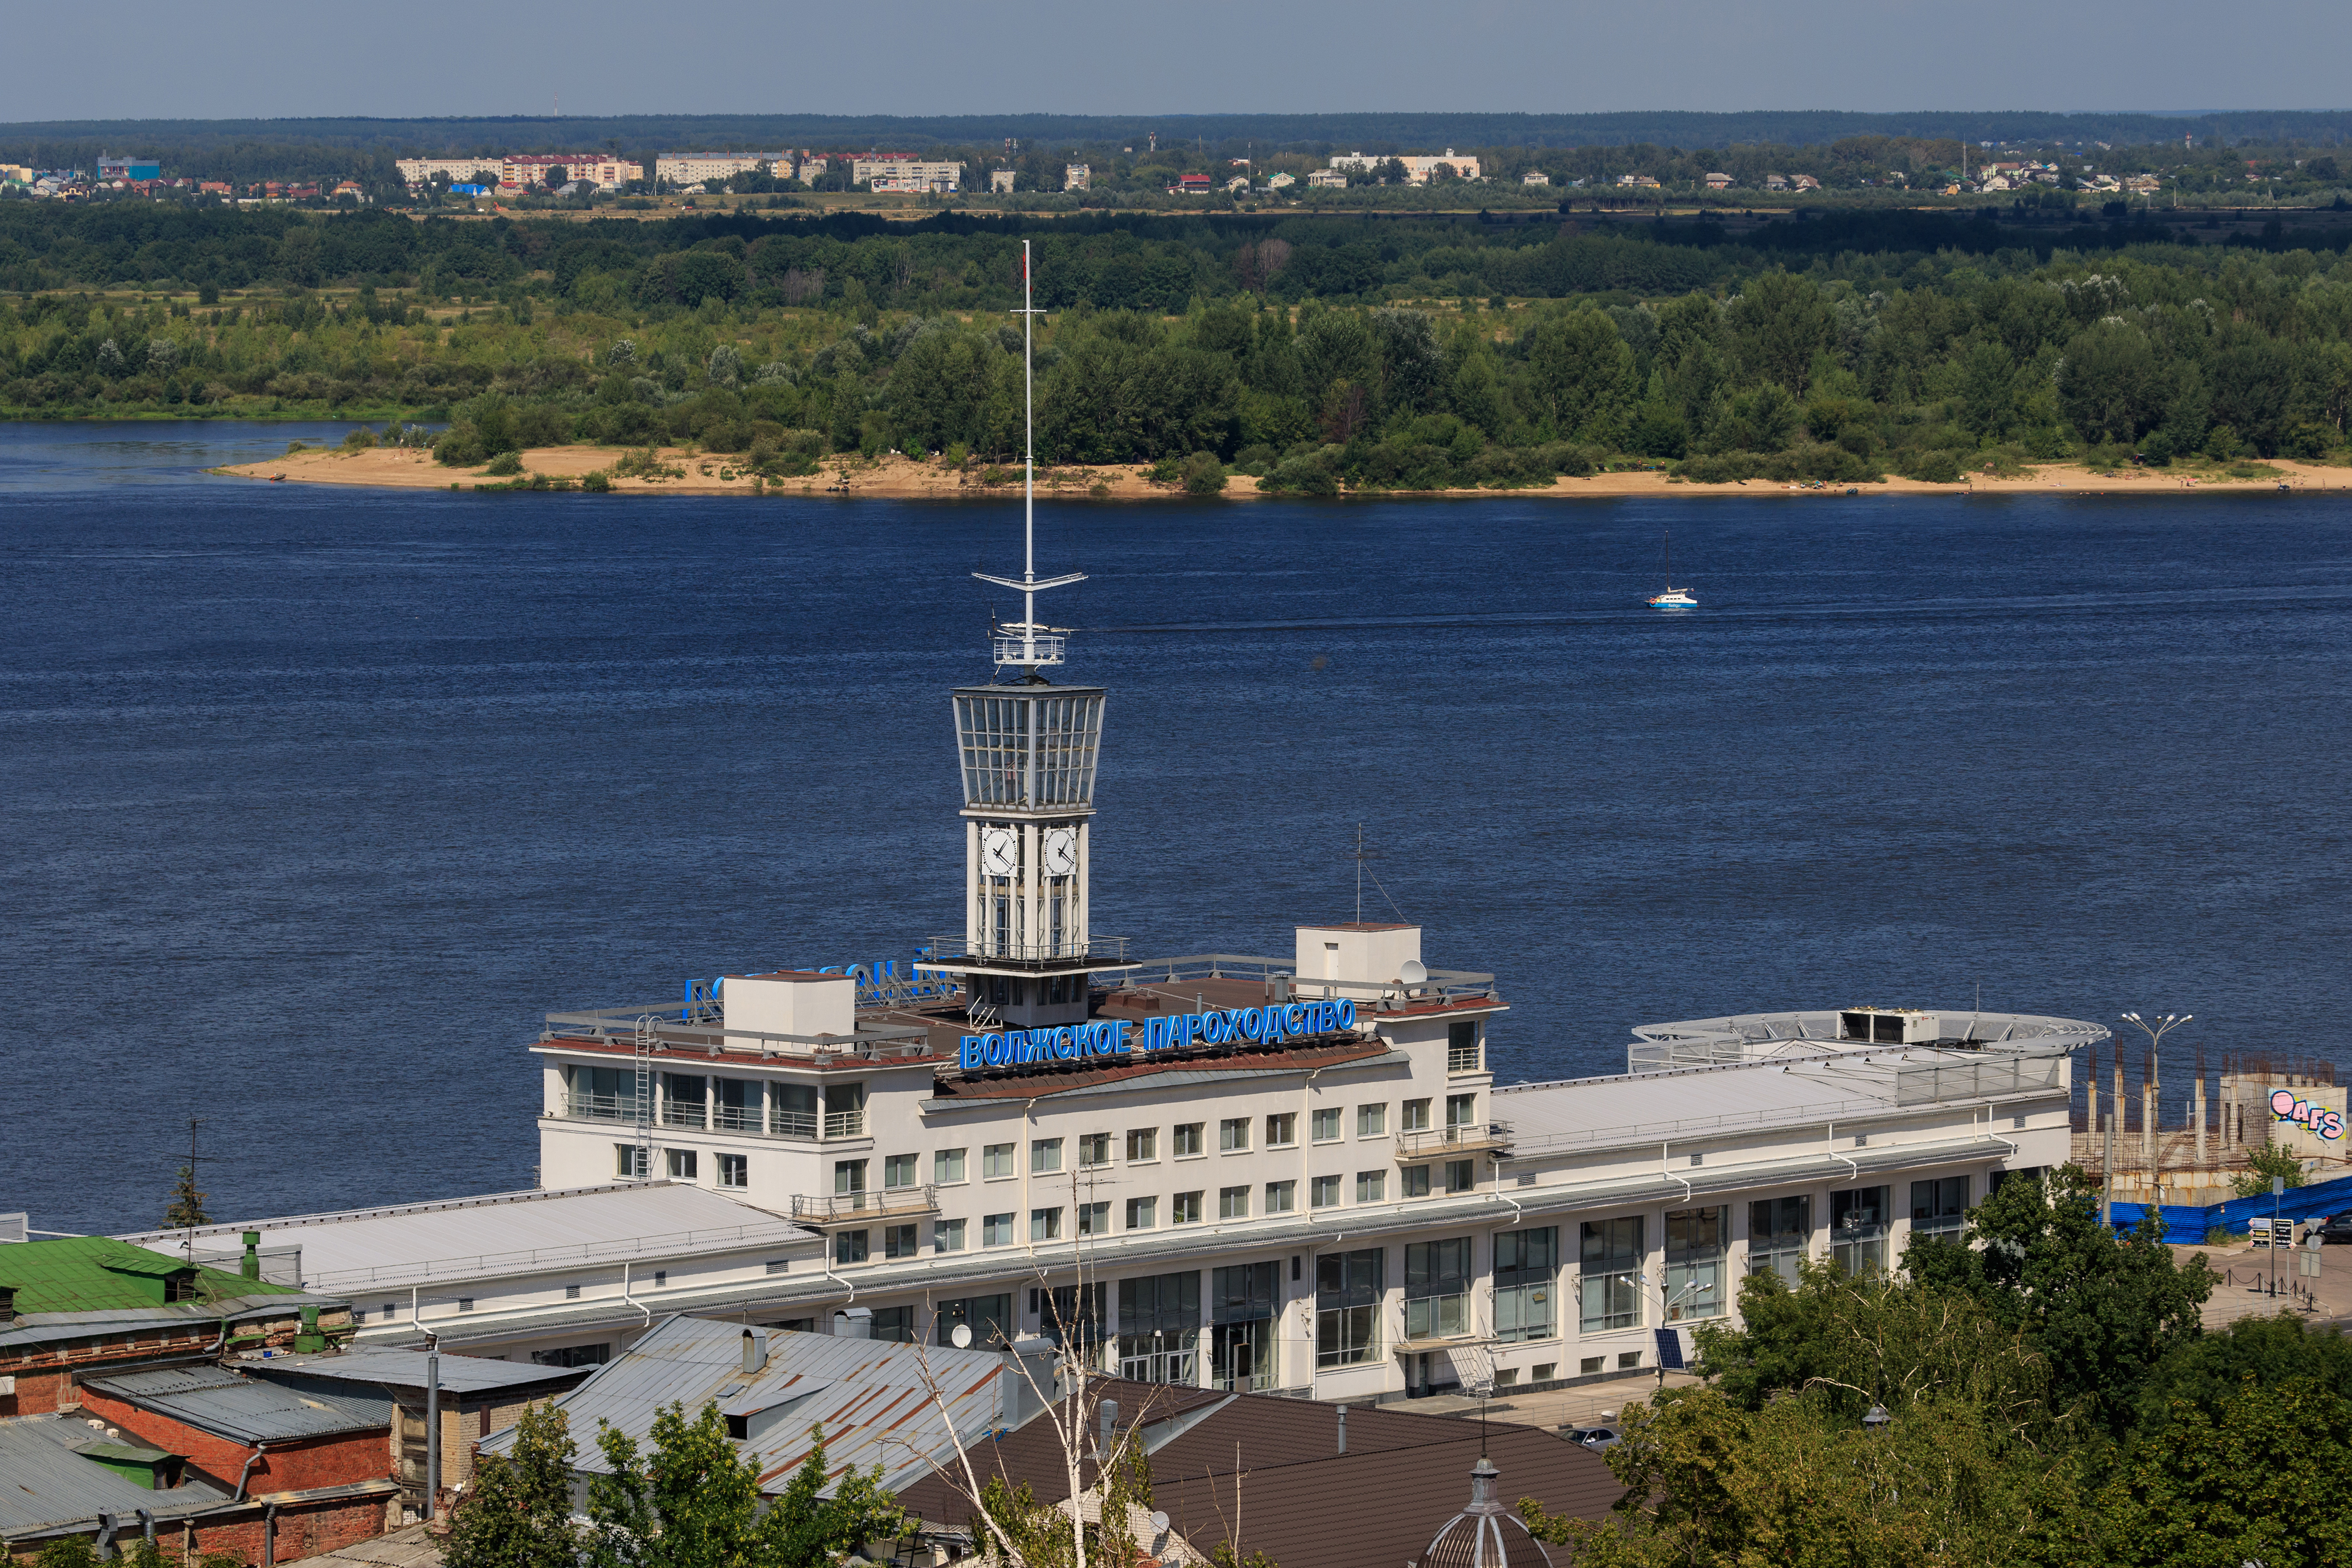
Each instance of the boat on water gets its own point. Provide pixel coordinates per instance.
(1674, 598)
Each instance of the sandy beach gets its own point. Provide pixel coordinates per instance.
(895, 478)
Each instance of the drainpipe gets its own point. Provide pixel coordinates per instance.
(825, 1261)
(1666, 1169)
(1835, 1155)
(105, 1537)
(432, 1425)
(147, 1524)
(628, 1300)
(269, 1536)
(250, 1460)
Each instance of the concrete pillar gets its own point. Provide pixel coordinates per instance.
(2147, 1123)
(2122, 1124)
(2197, 1115)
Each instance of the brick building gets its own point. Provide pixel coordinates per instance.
(84, 1304)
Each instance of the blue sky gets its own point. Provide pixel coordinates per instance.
(235, 58)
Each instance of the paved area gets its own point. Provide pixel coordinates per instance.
(2247, 1272)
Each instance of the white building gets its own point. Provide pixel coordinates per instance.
(1077, 177)
(1000, 181)
(1327, 179)
(904, 172)
(460, 171)
(679, 169)
(1535, 177)
(1417, 169)
(1293, 1172)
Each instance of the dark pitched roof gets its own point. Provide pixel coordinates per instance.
(1272, 1465)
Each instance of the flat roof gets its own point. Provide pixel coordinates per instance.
(388, 1367)
(242, 1409)
(509, 1233)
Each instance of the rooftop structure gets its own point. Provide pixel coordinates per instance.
(518, 1273)
(875, 1400)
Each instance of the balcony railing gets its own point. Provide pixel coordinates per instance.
(955, 953)
(682, 1113)
(600, 1108)
(845, 1124)
(735, 1117)
(1469, 1138)
(853, 1208)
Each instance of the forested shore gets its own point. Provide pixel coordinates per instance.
(1406, 353)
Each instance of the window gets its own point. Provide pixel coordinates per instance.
(848, 1178)
(1940, 1207)
(1858, 1229)
(1527, 1272)
(893, 1324)
(1627, 1360)
(1094, 1219)
(574, 1356)
(1413, 1182)
(1281, 1197)
(1094, 1148)
(947, 1236)
(1233, 1203)
(1232, 1134)
(1244, 1300)
(1187, 1141)
(996, 1161)
(1185, 1208)
(996, 1230)
(1696, 1244)
(1045, 1225)
(1436, 1288)
(947, 1166)
(1347, 1306)
(1044, 1154)
(629, 1162)
(737, 1108)
(1142, 1214)
(1072, 1314)
(734, 1170)
(1610, 1257)
(1416, 1116)
(603, 1094)
(661, 1278)
(1371, 1186)
(1780, 1231)
(1461, 1110)
(1282, 1131)
(572, 1292)
(1371, 1121)
(1545, 1370)
(1324, 1193)
(1160, 1326)
(792, 1110)
(682, 1099)
(1143, 1145)
(681, 1164)
(848, 1246)
(1506, 1377)
(1325, 1125)
(899, 1241)
(1589, 1365)
(1461, 1175)
(898, 1169)
(990, 1318)
(779, 1266)
(1462, 1046)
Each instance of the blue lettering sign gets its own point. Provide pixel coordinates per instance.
(1121, 1037)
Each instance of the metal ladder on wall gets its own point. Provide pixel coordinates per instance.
(644, 1102)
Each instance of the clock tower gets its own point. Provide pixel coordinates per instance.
(1027, 749)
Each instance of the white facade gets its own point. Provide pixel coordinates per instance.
(679, 169)
(1417, 168)
(904, 172)
(1078, 176)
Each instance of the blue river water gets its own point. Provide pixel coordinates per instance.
(315, 800)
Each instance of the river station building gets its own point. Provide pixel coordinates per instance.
(1291, 1172)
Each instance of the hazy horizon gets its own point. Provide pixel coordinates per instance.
(266, 59)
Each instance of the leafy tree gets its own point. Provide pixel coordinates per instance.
(1781, 323)
(1986, 403)
(2267, 1162)
(2110, 386)
(692, 1502)
(187, 1207)
(2266, 1478)
(1582, 375)
(519, 1511)
(2102, 1307)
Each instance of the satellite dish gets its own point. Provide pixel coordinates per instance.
(1413, 972)
(960, 1336)
(1160, 1523)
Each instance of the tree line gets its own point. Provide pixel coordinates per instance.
(1316, 353)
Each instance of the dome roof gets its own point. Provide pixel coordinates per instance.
(1487, 1534)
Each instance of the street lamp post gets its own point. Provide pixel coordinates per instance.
(2154, 1029)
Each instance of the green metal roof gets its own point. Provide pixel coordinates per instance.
(97, 1273)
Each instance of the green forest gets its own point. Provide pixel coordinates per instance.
(1398, 352)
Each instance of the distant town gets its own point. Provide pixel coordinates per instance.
(1148, 173)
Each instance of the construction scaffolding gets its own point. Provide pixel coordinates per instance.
(2188, 1147)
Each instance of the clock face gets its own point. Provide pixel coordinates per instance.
(1000, 851)
(1061, 852)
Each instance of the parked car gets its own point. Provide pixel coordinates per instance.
(1593, 1438)
(2337, 1227)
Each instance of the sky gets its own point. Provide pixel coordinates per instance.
(237, 59)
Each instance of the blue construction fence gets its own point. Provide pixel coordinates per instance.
(2186, 1224)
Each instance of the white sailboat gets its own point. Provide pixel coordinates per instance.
(1674, 598)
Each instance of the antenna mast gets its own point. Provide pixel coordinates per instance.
(1029, 651)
